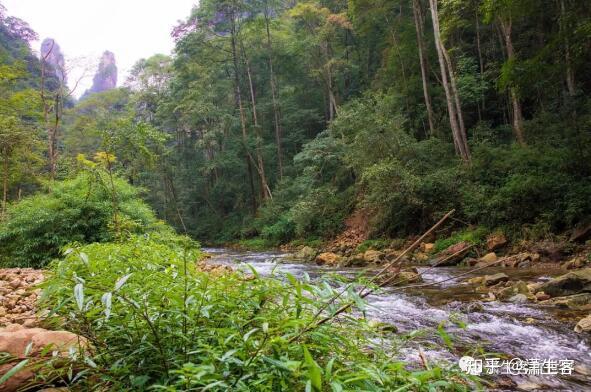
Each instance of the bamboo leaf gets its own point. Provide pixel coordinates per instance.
(17, 368)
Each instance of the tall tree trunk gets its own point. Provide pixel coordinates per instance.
(506, 26)
(481, 63)
(570, 73)
(448, 81)
(238, 98)
(265, 190)
(5, 185)
(418, 17)
(274, 96)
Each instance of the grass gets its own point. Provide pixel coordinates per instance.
(473, 236)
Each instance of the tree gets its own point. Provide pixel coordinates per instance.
(504, 12)
(454, 107)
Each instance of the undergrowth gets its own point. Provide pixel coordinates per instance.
(156, 322)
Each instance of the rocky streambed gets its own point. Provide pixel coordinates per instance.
(494, 309)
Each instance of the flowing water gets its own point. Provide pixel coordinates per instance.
(513, 330)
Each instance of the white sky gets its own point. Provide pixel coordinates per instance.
(84, 29)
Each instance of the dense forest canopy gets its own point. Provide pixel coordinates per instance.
(278, 119)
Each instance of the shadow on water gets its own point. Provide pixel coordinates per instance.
(511, 330)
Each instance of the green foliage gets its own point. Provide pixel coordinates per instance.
(473, 236)
(156, 322)
(373, 244)
(75, 210)
(257, 244)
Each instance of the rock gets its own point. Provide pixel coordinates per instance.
(518, 299)
(470, 261)
(576, 302)
(15, 339)
(541, 296)
(528, 386)
(53, 56)
(572, 283)
(306, 253)
(584, 325)
(106, 75)
(489, 258)
(328, 258)
(491, 280)
(408, 277)
(581, 233)
(471, 307)
(15, 283)
(510, 291)
(583, 369)
(421, 257)
(495, 241)
(476, 280)
(452, 255)
(355, 260)
(521, 260)
(555, 251)
(382, 326)
(576, 263)
(373, 256)
(427, 247)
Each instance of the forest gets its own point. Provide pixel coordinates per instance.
(325, 128)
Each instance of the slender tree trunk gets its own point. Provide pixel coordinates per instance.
(418, 17)
(265, 190)
(458, 132)
(274, 96)
(506, 26)
(238, 97)
(570, 74)
(5, 185)
(481, 63)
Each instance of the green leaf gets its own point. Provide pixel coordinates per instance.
(107, 300)
(84, 257)
(18, 367)
(121, 282)
(314, 372)
(79, 296)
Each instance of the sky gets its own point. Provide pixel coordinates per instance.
(84, 29)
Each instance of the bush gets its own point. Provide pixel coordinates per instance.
(75, 210)
(473, 236)
(154, 320)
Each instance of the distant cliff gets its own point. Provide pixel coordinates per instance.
(52, 55)
(106, 75)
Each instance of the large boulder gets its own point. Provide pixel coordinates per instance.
(14, 340)
(374, 256)
(491, 280)
(576, 263)
(576, 302)
(584, 325)
(307, 253)
(495, 241)
(487, 260)
(329, 259)
(452, 255)
(521, 260)
(572, 283)
(519, 287)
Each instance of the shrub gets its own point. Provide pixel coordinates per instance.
(75, 210)
(154, 320)
(473, 236)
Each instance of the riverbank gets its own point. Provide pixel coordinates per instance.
(446, 299)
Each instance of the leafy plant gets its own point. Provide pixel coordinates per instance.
(155, 321)
(79, 210)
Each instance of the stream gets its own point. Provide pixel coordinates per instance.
(524, 331)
